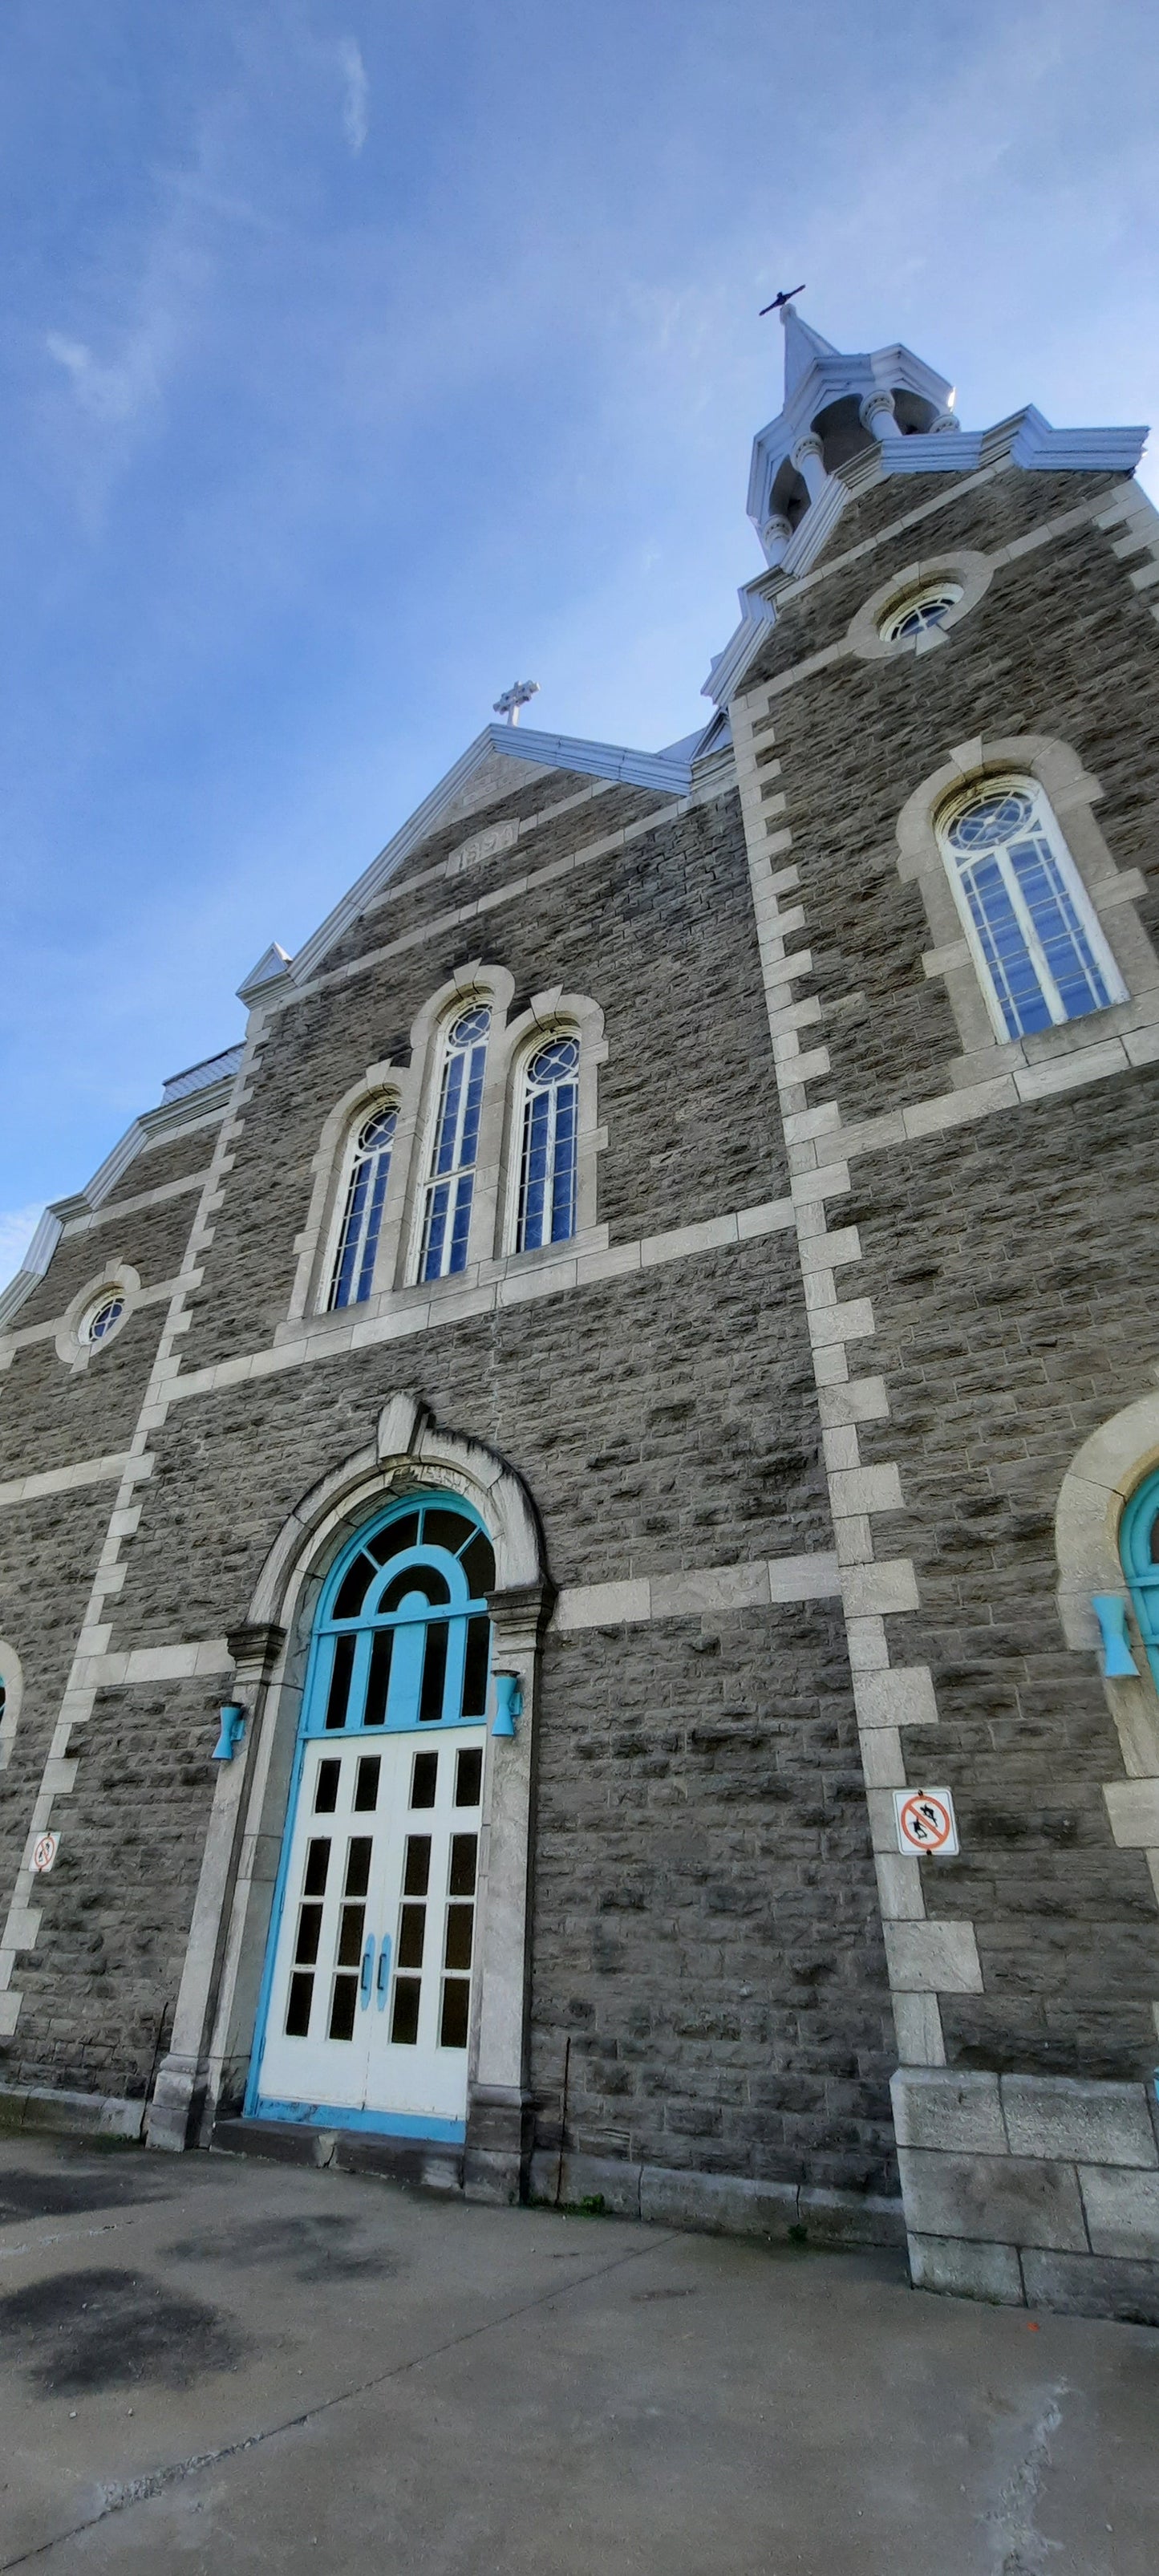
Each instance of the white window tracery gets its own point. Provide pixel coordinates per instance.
(920, 611)
(353, 1272)
(451, 1181)
(549, 1132)
(1032, 928)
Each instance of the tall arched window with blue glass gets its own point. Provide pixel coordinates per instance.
(1034, 934)
(1139, 1550)
(451, 1183)
(547, 1161)
(353, 1273)
(367, 1990)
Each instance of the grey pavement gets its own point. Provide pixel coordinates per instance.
(216, 2364)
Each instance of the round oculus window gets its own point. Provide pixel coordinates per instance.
(103, 1317)
(923, 610)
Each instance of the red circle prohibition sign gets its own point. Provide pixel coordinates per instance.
(926, 1821)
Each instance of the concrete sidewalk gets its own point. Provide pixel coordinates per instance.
(210, 2364)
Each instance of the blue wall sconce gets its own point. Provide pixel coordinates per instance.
(1110, 1610)
(233, 1717)
(508, 1703)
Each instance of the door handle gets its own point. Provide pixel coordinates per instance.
(383, 1979)
(364, 1978)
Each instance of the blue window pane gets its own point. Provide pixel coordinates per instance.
(1064, 940)
(535, 1167)
(447, 1221)
(1024, 1005)
(1026, 913)
(362, 1217)
(461, 1226)
(445, 1156)
(563, 1177)
(373, 1225)
(547, 1178)
(438, 1203)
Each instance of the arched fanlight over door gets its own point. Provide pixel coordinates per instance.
(1139, 1550)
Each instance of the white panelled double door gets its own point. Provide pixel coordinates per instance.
(368, 2009)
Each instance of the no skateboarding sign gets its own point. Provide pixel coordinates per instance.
(44, 1851)
(925, 1821)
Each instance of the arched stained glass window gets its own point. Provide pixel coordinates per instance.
(1139, 1549)
(547, 1167)
(362, 1215)
(403, 1639)
(450, 1187)
(1030, 922)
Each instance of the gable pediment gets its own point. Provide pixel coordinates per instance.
(502, 759)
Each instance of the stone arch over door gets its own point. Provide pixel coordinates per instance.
(204, 2072)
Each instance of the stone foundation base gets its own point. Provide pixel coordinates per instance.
(1031, 2190)
(718, 2204)
(292, 2142)
(40, 2106)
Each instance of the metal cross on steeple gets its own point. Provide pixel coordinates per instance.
(518, 695)
(785, 297)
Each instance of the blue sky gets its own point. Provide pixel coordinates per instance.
(362, 359)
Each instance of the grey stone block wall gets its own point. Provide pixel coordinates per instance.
(706, 1927)
(660, 1421)
(48, 1556)
(52, 1416)
(1032, 2190)
(103, 1977)
(177, 1155)
(406, 907)
(1013, 1269)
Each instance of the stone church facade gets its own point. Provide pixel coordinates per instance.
(647, 1352)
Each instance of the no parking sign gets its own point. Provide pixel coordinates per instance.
(925, 1821)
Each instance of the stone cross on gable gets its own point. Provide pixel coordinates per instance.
(518, 695)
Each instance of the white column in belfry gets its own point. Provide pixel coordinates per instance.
(809, 459)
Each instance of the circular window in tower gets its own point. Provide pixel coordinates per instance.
(103, 1317)
(920, 612)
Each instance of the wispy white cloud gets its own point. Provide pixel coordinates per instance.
(112, 390)
(17, 1227)
(356, 93)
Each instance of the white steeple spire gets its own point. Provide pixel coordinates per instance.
(802, 346)
(837, 405)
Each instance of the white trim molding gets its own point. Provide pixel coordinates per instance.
(12, 1679)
